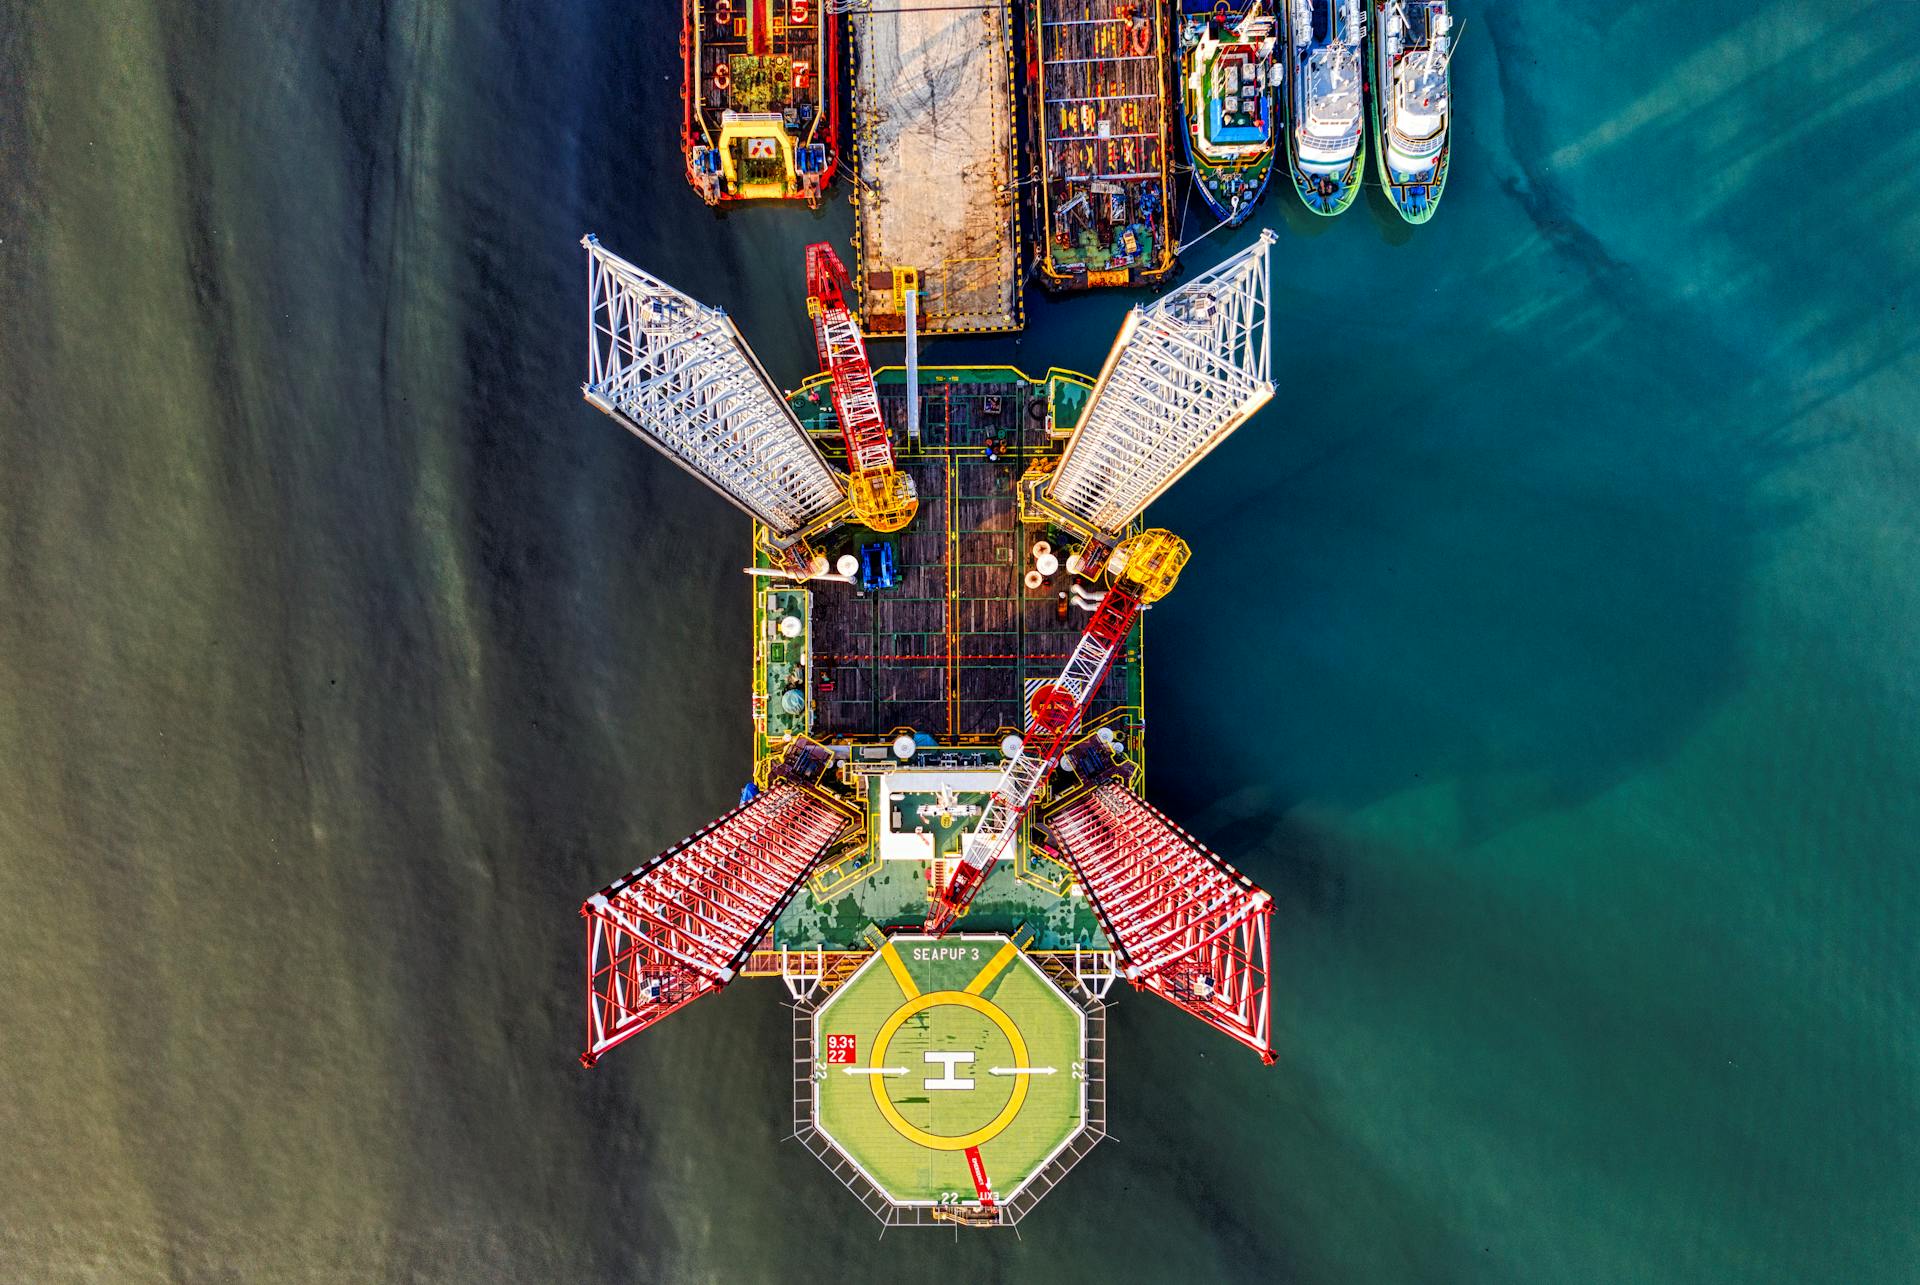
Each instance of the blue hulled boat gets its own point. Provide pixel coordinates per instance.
(1227, 79)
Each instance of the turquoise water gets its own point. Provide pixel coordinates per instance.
(1548, 650)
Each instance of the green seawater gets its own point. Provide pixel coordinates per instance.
(1550, 650)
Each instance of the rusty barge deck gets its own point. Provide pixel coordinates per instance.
(1101, 125)
(937, 168)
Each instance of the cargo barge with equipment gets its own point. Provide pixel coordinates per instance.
(1101, 127)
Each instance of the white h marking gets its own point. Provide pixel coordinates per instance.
(946, 1078)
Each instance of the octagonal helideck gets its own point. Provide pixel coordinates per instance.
(950, 1071)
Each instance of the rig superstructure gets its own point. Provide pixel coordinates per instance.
(944, 852)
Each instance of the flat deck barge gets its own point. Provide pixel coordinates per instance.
(1101, 121)
(761, 99)
(934, 150)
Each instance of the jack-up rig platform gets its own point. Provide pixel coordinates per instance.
(945, 853)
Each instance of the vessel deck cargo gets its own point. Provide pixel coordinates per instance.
(934, 151)
(761, 99)
(1102, 123)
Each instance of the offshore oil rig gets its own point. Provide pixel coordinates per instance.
(944, 853)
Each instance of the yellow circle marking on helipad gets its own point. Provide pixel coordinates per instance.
(987, 1009)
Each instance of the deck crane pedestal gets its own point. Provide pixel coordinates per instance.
(881, 495)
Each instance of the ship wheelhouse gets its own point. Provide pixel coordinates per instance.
(1228, 111)
(1414, 52)
(1417, 122)
(1328, 133)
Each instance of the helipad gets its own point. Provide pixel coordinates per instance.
(948, 1073)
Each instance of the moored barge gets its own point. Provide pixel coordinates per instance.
(1101, 124)
(936, 211)
(761, 99)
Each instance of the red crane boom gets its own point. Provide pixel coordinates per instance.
(1152, 562)
(882, 496)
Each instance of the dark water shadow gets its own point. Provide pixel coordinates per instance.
(1521, 572)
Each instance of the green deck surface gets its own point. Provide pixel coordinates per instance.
(894, 895)
(910, 1169)
(1069, 400)
(783, 661)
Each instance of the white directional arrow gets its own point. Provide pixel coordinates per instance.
(1022, 1070)
(873, 1070)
